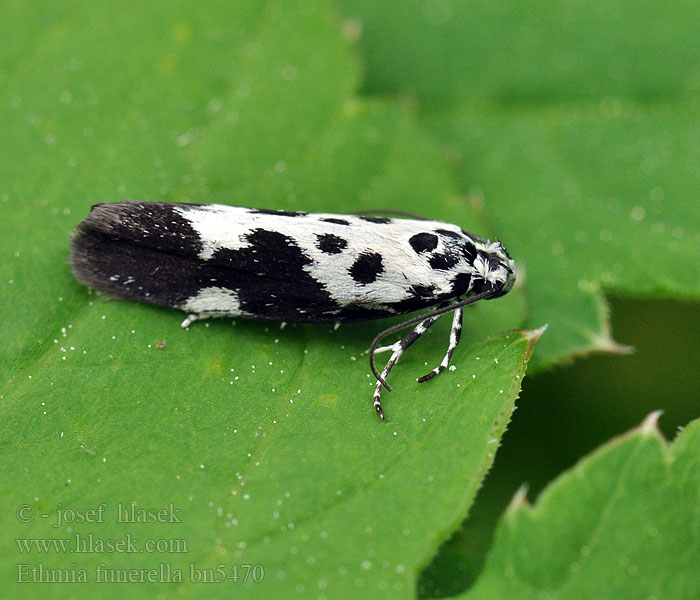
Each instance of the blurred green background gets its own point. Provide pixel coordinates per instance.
(565, 413)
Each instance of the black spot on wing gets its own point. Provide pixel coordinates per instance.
(278, 213)
(443, 261)
(269, 278)
(330, 244)
(461, 242)
(468, 251)
(366, 267)
(336, 221)
(460, 284)
(423, 242)
(381, 220)
(423, 291)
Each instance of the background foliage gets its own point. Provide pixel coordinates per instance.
(570, 131)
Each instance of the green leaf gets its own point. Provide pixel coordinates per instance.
(289, 479)
(623, 523)
(576, 126)
(260, 443)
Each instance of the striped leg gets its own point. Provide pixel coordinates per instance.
(397, 350)
(455, 334)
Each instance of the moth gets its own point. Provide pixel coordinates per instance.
(212, 260)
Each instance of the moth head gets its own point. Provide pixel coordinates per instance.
(493, 270)
(473, 264)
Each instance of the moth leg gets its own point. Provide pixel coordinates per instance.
(455, 334)
(398, 349)
(191, 318)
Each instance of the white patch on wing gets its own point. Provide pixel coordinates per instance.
(214, 300)
(218, 226)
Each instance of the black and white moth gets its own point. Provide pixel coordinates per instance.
(212, 260)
